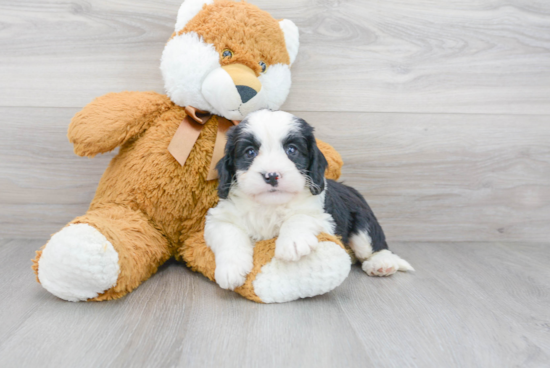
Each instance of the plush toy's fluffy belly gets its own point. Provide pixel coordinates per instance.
(144, 176)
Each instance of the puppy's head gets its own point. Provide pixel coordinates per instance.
(272, 156)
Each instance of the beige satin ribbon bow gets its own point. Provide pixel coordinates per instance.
(188, 132)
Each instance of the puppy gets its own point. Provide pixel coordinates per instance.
(272, 184)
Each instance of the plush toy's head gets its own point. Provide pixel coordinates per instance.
(229, 58)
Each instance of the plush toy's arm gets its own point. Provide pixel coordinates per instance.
(112, 119)
(334, 159)
(272, 280)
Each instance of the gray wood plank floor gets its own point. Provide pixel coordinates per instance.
(467, 305)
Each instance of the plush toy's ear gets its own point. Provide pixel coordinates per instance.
(292, 38)
(188, 10)
(317, 166)
(226, 166)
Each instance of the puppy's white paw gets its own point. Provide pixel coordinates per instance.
(292, 246)
(385, 263)
(231, 273)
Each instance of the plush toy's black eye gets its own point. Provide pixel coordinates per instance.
(263, 66)
(291, 150)
(251, 152)
(227, 54)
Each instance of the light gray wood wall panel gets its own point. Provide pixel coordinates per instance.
(428, 177)
(466, 56)
(43, 184)
(447, 176)
(467, 305)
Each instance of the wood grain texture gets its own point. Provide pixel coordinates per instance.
(428, 177)
(43, 184)
(447, 177)
(441, 111)
(463, 56)
(467, 305)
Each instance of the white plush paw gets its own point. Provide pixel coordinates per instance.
(315, 274)
(294, 245)
(78, 263)
(385, 263)
(231, 273)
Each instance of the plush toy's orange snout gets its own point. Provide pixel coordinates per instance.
(248, 85)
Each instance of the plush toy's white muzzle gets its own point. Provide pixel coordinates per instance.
(234, 91)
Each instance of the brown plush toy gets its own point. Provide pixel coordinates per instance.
(225, 59)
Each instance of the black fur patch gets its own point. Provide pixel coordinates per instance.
(352, 214)
(235, 158)
(348, 208)
(310, 160)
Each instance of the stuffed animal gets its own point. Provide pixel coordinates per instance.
(224, 60)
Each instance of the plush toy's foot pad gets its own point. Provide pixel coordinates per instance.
(78, 263)
(321, 271)
(385, 263)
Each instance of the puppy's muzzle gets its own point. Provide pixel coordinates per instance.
(272, 178)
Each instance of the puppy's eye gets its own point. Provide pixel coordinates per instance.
(250, 152)
(291, 150)
(227, 54)
(263, 66)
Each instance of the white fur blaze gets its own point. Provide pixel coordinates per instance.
(317, 273)
(78, 263)
(385, 263)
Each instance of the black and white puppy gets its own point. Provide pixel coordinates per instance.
(272, 184)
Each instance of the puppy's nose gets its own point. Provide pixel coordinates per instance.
(246, 93)
(271, 178)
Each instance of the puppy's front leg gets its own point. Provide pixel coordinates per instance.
(298, 237)
(233, 250)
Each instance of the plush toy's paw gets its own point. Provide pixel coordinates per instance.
(385, 263)
(78, 263)
(230, 274)
(315, 274)
(291, 246)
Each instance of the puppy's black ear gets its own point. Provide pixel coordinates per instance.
(226, 166)
(225, 173)
(317, 166)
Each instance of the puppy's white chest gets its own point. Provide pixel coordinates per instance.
(265, 223)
